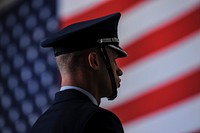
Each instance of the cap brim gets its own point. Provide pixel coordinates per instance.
(121, 52)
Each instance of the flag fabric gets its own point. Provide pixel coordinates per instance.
(28, 73)
(160, 91)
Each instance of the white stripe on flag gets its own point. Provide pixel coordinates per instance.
(70, 8)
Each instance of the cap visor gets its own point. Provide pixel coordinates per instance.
(121, 52)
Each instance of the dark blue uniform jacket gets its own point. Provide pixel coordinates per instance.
(73, 112)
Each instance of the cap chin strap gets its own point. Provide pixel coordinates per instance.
(110, 72)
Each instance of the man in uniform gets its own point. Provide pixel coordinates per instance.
(86, 54)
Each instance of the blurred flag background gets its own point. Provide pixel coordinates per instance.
(160, 91)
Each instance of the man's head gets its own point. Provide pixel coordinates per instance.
(89, 49)
(87, 69)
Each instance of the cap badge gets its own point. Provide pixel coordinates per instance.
(108, 40)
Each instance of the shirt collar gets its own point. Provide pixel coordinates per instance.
(89, 95)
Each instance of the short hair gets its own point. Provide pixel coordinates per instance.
(70, 62)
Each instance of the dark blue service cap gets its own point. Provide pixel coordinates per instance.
(87, 34)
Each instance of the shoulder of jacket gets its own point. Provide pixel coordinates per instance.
(93, 111)
(101, 118)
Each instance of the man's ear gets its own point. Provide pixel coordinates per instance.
(93, 60)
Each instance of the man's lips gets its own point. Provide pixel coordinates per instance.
(118, 84)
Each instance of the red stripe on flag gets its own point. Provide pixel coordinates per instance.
(106, 8)
(159, 98)
(162, 38)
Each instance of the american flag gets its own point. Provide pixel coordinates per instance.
(160, 90)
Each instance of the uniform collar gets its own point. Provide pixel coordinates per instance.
(89, 95)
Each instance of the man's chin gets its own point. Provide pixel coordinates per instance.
(113, 96)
